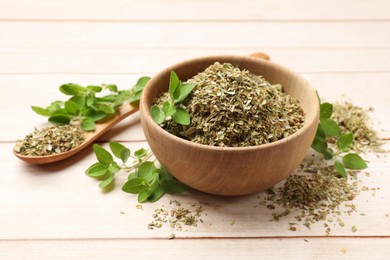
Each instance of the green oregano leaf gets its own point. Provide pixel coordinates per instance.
(140, 153)
(144, 195)
(168, 108)
(111, 87)
(103, 156)
(72, 107)
(157, 115)
(125, 154)
(173, 186)
(96, 170)
(104, 184)
(41, 111)
(95, 115)
(72, 89)
(354, 161)
(147, 170)
(60, 119)
(157, 193)
(181, 116)
(344, 141)
(95, 89)
(328, 154)
(185, 90)
(174, 82)
(87, 124)
(330, 127)
(340, 169)
(116, 149)
(134, 186)
(326, 110)
(114, 168)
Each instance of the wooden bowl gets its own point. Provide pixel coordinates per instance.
(227, 170)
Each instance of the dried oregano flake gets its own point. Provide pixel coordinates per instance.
(50, 140)
(233, 107)
(355, 119)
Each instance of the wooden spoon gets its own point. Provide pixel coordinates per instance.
(123, 112)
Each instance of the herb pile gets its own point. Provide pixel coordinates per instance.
(50, 140)
(177, 217)
(322, 191)
(355, 119)
(312, 197)
(233, 107)
(85, 107)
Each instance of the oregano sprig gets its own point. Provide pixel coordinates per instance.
(172, 109)
(146, 179)
(328, 128)
(85, 106)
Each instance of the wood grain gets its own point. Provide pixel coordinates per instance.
(122, 10)
(53, 212)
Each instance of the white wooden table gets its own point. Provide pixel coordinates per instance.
(56, 211)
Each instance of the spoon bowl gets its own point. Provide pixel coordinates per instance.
(227, 170)
(123, 112)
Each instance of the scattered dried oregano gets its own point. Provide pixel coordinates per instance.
(233, 107)
(355, 119)
(177, 217)
(50, 140)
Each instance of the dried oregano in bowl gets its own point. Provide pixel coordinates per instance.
(234, 108)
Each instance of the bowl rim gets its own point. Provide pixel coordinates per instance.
(145, 111)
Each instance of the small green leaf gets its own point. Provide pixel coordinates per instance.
(181, 116)
(106, 108)
(79, 100)
(41, 111)
(157, 115)
(140, 153)
(111, 87)
(185, 90)
(326, 110)
(95, 89)
(173, 186)
(104, 184)
(95, 115)
(144, 195)
(354, 161)
(108, 98)
(116, 149)
(87, 124)
(72, 89)
(328, 154)
(125, 154)
(147, 170)
(157, 193)
(103, 156)
(134, 186)
(174, 82)
(132, 175)
(319, 143)
(72, 107)
(140, 85)
(340, 169)
(168, 108)
(59, 119)
(96, 170)
(330, 127)
(344, 141)
(90, 99)
(114, 168)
